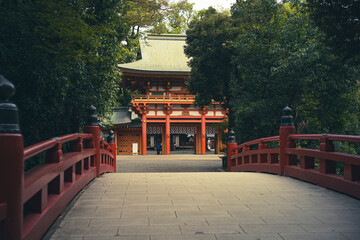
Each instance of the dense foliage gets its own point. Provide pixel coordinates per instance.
(278, 57)
(62, 57)
(340, 21)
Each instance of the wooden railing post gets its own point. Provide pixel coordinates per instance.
(11, 164)
(326, 166)
(231, 145)
(111, 141)
(286, 128)
(92, 127)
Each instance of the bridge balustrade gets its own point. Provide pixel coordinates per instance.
(31, 201)
(288, 158)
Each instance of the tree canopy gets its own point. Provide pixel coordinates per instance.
(62, 57)
(273, 55)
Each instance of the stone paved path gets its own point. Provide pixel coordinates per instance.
(166, 163)
(208, 206)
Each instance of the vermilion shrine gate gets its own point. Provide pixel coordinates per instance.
(167, 109)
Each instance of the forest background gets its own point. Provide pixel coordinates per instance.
(257, 58)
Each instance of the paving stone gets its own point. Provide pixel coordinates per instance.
(70, 223)
(189, 221)
(187, 237)
(221, 206)
(152, 230)
(134, 222)
(351, 236)
(119, 238)
(316, 228)
(271, 228)
(313, 236)
(290, 220)
(197, 230)
(248, 237)
(220, 221)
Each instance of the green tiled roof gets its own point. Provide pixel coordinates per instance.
(161, 54)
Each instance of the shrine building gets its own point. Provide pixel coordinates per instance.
(166, 108)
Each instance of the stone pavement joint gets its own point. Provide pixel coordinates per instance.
(211, 206)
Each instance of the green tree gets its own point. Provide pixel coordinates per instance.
(340, 21)
(206, 45)
(273, 56)
(62, 56)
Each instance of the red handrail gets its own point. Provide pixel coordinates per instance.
(257, 141)
(284, 160)
(45, 190)
(38, 148)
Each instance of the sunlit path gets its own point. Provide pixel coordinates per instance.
(172, 163)
(209, 206)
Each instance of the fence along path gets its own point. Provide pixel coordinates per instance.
(317, 166)
(30, 201)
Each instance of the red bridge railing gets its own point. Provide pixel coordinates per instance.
(317, 166)
(31, 201)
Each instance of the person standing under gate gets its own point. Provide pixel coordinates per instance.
(158, 147)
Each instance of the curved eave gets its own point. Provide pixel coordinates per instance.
(154, 72)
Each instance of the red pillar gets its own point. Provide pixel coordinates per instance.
(94, 129)
(167, 134)
(11, 165)
(203, 135)
(287, 128)
(144, 135)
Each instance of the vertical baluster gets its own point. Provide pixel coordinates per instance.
(327, 166)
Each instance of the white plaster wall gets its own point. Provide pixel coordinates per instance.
(176, 113)
(210, 114)
(160, 113)
(151, 113)
(194, 113)
(218, 113)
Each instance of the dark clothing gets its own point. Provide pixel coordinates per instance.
(158, 148)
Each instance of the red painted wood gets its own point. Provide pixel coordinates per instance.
(95, 131)
(231, 147)
(254, 160)
(113, 145)
(144, 135)
(34, 150)
(203, 135)
(11, 183)
(36, 224)
(167, 135)
(283, 141)
(37, 177)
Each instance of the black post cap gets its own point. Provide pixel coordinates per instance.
(287, 119)
(92, 119)
(231, 137)
(111, 138)
(9, 117)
